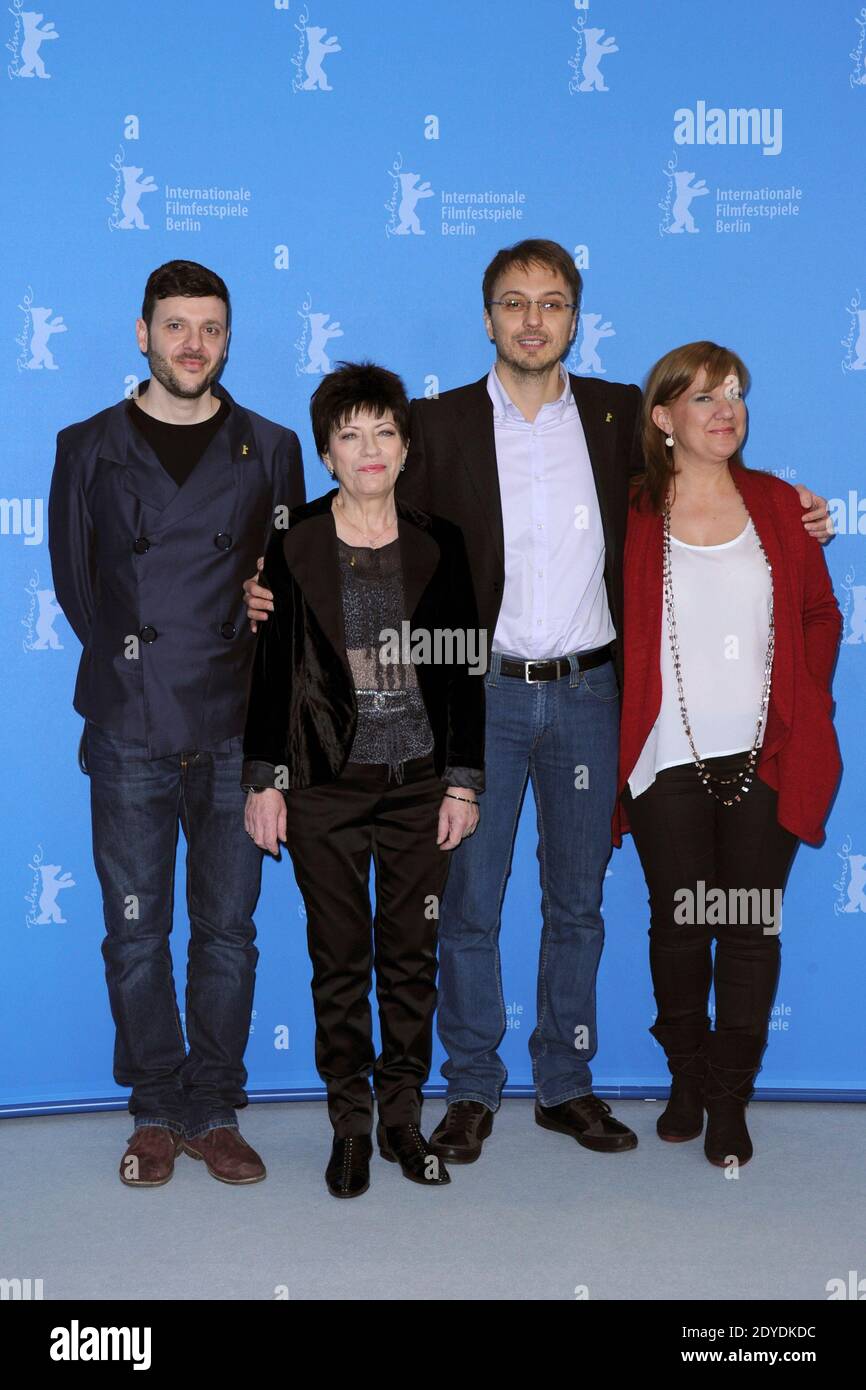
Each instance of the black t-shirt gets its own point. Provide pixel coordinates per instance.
(178, 447)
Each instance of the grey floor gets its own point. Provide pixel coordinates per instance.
(536, 1218)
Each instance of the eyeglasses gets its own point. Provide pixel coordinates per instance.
(517, 304)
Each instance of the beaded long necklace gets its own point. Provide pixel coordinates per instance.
(745, 776)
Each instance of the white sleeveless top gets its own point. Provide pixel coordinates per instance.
(722, 597)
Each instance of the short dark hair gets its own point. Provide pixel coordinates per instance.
(533, 252)
(186, 278)
(357, 386)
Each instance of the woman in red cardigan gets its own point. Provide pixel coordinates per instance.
(728, 756)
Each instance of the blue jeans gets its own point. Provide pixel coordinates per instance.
(546, 732)
(137, 804)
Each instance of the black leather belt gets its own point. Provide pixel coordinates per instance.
(557, 667)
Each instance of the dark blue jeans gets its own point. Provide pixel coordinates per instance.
(547, 733)
(137, 804)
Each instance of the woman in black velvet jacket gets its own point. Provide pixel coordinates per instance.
(364, 741)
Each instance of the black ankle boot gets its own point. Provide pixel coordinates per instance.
(733, 1060)
(683, 1117)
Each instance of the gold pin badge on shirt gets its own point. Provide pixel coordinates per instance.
(245, 449)
(608, 417)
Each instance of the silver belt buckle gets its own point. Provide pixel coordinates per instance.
(526, 675)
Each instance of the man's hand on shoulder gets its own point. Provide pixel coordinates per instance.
(259, 600)
(816, 515)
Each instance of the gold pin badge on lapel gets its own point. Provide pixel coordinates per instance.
(608, 417)
(245, 449)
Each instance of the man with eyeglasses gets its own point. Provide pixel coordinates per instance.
(533, 464)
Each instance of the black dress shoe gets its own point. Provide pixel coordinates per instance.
(588, 1120)
(461, 1132)
(348, 1170)
(406, 1145)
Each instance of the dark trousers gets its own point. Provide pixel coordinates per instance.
(137, 804)
(333, 834)
(689, 843)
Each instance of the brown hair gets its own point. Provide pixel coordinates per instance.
(533, 252)
(667, 380)
(186, 278)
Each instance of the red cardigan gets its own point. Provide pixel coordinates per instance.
(800, 755)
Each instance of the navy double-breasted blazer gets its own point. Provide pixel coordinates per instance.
(150, 574)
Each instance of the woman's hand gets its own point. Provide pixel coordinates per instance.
(265, 818)
(457, 819)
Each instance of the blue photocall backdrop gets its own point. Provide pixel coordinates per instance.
(350, 169)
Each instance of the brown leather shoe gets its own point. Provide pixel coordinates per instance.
(460, 1133)
(227, 1156)
(149, 1159)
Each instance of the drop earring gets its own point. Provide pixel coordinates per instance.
(670, 441)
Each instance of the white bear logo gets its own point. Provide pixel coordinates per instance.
(859, 363)
(856, 898)
(49, 911)
(133, 187)
(686, 191)
(33, 65)
(593, 331)
(411, 191)
(857, 633)
(320, 333)
(597, 47)
(318, 49)
(43, 327)
(49, 609)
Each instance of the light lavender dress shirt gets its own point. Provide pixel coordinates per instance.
(554, 600)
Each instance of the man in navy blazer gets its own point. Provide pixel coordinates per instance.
(159, 506)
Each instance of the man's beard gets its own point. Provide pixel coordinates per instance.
(528, 368)
(162, 369)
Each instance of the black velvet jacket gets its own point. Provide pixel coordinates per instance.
(302, 712)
